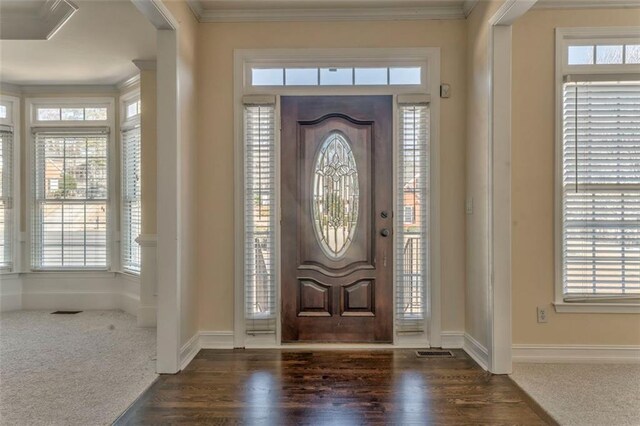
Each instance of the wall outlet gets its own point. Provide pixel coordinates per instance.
(542, 314)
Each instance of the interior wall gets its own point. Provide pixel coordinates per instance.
(215, 220)
(533, 142)
(477, 178)
(188, 227)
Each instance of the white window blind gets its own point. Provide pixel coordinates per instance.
(412, 237)
(260, 219)
(71, 199)
(601, 190)
(6, 197)
(131, 200)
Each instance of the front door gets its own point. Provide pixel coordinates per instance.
(337, 248)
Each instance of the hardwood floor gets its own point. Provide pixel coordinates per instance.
(282, 387)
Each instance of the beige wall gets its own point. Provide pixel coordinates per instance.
(533, 185)
(215, 221)
(188, 227)
(477, 178)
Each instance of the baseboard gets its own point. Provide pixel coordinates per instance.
(475, 350)
(10, 302)
(147, 316)
(71, 301)
(189, 350)
(576, 353)
(216, 339)
(129, 303)
(452, 339)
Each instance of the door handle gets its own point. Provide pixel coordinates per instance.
(385, 232)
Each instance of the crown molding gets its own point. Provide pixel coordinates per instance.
(128, 83)
(467, 7)
(454, 11)
(40, 24)
(586, 4)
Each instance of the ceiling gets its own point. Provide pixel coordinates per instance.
(280, 10)
(95, 46)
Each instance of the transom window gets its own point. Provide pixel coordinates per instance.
(337, 76)
(598, 180)
(71, 113)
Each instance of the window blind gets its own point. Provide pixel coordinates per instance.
(260, 219)
(6, 198)
(601, 190)
(131, 200)
(71, 199)
(412, 236)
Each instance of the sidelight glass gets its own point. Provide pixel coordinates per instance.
(335, 195)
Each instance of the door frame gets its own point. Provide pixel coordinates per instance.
(429, 58)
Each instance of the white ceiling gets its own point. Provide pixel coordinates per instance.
(96, 46)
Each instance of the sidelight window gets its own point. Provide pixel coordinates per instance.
(7, 207)
(412, 228)
(260, 218)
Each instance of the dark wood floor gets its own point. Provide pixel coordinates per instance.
(281, 387)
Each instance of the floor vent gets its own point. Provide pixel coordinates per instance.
(65, 312)
(434, 353)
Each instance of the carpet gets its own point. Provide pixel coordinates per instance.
(584, 394)
(82, 369)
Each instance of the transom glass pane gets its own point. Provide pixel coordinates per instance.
(609, 54)
(335, 195)
(371, 76)
(336, 76)
(408, 75)
(632, 54)
(267, 76)
(580, 55)
(301, 76)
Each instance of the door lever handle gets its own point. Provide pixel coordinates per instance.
(385, 232)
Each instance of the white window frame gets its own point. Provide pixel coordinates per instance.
(126, 123)
(426, 57)
(13, 120)
(564, 38)
(31, 122)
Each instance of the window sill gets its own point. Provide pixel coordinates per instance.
(597, 307)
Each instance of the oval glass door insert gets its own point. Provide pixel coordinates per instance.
(335, 195)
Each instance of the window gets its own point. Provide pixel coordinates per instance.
(339, 76)
(132, 109)
(412, 228)
(8, 200)
(599, 178)
(131, 200)
(260, 218)
(6, 197)
(70, 225)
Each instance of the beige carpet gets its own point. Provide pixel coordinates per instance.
(82, 369)
(584, 394)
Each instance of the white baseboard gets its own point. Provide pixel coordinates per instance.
(147, 316)
(216, 339)
(479, 353)
(576, 353)
(189, 350)
(452, 339)
(10, 292)
(129, 303)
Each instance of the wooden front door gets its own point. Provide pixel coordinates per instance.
(337, 249)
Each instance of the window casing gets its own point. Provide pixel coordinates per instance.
(71, 187)
(597, 178)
